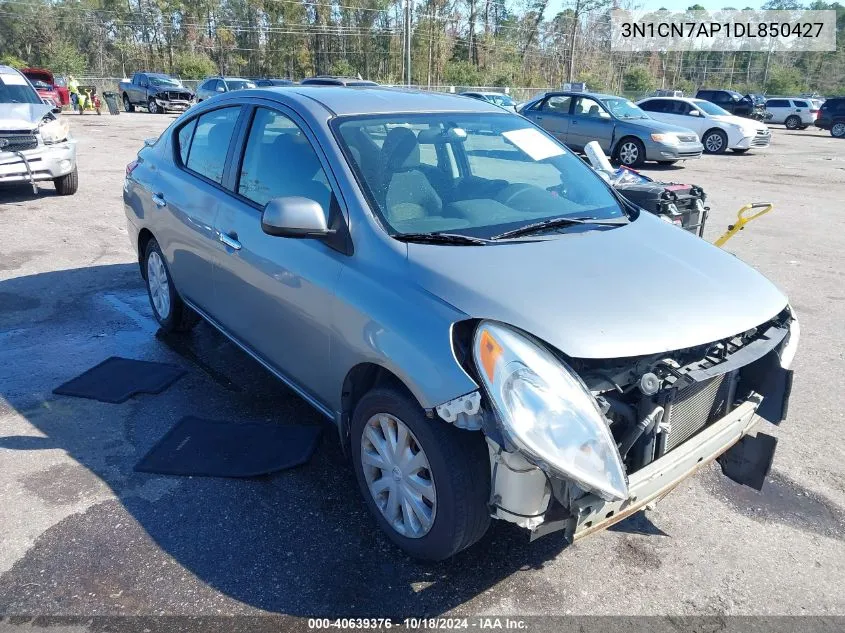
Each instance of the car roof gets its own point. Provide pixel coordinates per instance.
(8, 70)
(344, 100)
(576, 93)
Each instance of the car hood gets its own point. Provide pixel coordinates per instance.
(21, 116)
(644, 288)
(654, 124)
(746, 124)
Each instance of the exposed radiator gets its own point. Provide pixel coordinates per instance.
(691, 409)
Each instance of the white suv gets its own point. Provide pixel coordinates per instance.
(795, 114)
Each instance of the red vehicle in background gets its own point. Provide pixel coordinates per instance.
(48, 86)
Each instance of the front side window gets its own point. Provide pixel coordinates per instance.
(279, 161)
(210, 144)
(777, 103)
(494, 173)
(655, 105)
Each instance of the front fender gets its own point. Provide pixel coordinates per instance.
(403, 329)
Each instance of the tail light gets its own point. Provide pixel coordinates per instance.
(815, 113)
(131, 167)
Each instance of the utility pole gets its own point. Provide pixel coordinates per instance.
(408, 8)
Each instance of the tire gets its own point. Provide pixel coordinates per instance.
(455, 461)
(630, 152)
(715, 141)
(837, 130)
(792, 122)
(666, 162)
(739, 151)
(127, 105)
(68, 184)
(168, 308)
(152, 106)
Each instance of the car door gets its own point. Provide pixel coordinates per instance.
(552, 114)
(801, 107)
(590, 121)
(677, 112)
(274, 294)
(185, 193)
(780, 109)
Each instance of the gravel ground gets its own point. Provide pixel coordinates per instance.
(83, 534)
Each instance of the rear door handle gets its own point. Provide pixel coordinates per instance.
(158, 200)
(229, 241)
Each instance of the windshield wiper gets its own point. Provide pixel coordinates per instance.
(442, 238)
(538, 227)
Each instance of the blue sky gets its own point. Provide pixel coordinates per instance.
(673, 5)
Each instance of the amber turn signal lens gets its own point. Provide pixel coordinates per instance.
(491, 352)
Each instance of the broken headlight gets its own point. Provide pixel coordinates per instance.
(53, 130)
(547, 412)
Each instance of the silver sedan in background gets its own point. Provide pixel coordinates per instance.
(447, 284)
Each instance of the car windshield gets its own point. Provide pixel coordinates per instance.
(161, 80)
(471, 174)
(15, 89)
(239, 84)
(624, 109)
(502, 100)
(712, 108)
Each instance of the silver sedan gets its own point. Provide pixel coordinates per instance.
(491, 329)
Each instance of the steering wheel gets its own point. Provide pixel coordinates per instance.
(511, 193)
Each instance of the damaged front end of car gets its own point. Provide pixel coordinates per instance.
(579, 444)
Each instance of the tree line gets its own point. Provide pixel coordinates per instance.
(514, 43)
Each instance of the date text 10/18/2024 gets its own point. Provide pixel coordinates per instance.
(478, 623)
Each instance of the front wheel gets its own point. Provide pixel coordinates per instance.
(426, 482)
(68, 184)
(792, 122)
(631, 152)
(152, 106)
(837, 130)
(715, 142)
(168, 308)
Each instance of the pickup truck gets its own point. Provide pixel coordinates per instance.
(156, 92)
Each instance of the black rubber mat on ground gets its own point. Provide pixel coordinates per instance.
(213, 448)
(117, 379)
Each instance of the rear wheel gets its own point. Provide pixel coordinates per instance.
(127, 105)
(792, 122)
(837, 130)
(631, 152)
(168, 308)
(68, 184)
(715, 142)
(426, 482)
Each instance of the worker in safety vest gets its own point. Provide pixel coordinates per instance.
(73, 89)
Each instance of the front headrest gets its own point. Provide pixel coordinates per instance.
(296, 154)
(401, 150)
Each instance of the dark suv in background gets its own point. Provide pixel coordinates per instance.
(832, 117)
(740, 105)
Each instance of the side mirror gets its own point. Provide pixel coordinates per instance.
(694, 113)
(220, 89)
(293, 216)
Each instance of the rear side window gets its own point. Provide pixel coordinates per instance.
(183, 139)
(653, 106)
(800, 104)
(279, 161)
(207, 153)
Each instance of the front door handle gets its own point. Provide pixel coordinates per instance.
(229, 241)
(158, 200)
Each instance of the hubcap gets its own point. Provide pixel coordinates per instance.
(792, 123)
(159, 286)
(838, 129)
(628, 153)
(153, 106)
(714, 142)
(398, 475)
